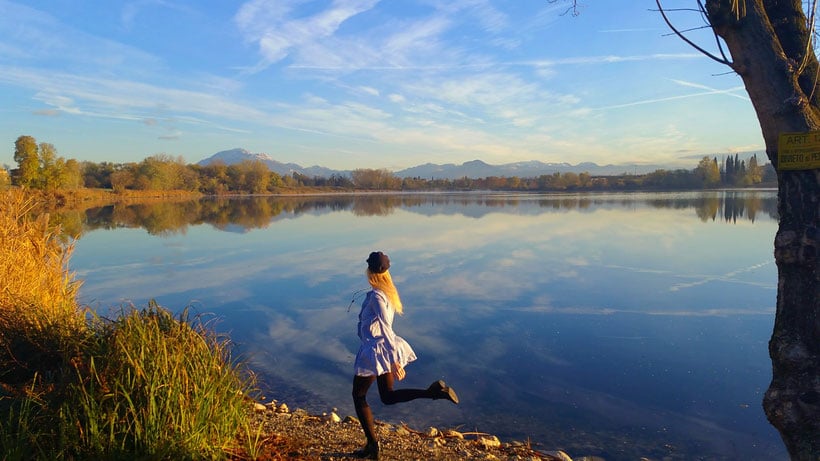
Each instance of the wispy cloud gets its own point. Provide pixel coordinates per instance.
(727, 277)
(609, 59)
(432, 80)
(48, 112)
(728, 92)
(171, 136)
(621, 31)
(277, 30)
(122, 99)
(38, 36)
(489, 18)
(386, 42)
(132, 9)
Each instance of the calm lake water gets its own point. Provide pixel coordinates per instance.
(617, 325)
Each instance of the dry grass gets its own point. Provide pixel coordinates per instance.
(75, 386)
(37, 290)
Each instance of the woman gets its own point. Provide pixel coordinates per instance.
(383, 355)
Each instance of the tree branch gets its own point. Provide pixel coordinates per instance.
(809, 42)
(572, 9)
(680, 35)
(714, 33)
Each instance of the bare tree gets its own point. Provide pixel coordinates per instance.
(770, 45)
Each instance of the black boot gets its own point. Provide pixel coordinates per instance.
(369, 451)
(439, 390)
(436, 387)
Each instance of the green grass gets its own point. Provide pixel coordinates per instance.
(75, 386)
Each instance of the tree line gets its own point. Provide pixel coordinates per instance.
(165, 217)
(39, 167)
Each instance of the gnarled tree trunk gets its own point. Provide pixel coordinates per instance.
(768, 44)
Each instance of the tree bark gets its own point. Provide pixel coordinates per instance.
(768, 48)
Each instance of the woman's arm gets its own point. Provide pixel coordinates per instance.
(398, 371)
(385, 316)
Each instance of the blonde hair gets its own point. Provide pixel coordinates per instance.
(384, 283)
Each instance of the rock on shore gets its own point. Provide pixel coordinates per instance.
(292, 435)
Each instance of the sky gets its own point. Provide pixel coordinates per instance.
(350, 84)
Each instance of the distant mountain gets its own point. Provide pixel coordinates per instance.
(471, 169)
(234, 156)
(534, 168)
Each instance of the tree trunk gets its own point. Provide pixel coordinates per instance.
(767, 43)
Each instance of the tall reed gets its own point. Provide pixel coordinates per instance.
(41, 327)
(37, 290)
(146, 385)
(159, 386)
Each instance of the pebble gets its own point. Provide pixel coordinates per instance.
(490, 442)
(559, 455)
(453, 434)
(317, 437)
(436, 443)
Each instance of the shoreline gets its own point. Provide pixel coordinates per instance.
(67, 198)
(162, 197)
(297, 434)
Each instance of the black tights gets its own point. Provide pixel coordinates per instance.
(388, 397)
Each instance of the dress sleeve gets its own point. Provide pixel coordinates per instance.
(385, 315)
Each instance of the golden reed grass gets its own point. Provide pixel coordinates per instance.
(37, 290)
(74, 385)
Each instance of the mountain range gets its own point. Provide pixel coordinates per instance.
(234, 156)
(471, 169)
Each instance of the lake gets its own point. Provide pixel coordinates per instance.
(616, 325)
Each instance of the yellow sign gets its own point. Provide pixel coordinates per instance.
(798, 151)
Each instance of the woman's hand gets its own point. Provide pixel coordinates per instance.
(398, 371)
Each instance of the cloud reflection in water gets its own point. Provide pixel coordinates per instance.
(574, 320)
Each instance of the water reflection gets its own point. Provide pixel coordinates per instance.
(246, 213)
(617, 325)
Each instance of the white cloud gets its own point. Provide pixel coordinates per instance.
(481, 11)
(132, 9)
(39, 36)
(121, 99)
(369, 90)
(278, 32)
(453, 80)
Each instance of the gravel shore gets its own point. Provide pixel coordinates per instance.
(292, 435)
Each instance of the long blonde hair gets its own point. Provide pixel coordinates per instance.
(384, 283)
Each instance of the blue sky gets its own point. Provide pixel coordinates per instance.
(365, 83)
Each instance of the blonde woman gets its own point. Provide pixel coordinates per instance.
(383, 354)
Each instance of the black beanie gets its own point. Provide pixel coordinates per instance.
(378, 262)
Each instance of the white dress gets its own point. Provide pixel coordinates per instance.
(380, 347)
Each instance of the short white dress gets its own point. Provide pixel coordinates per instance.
(380, 347)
